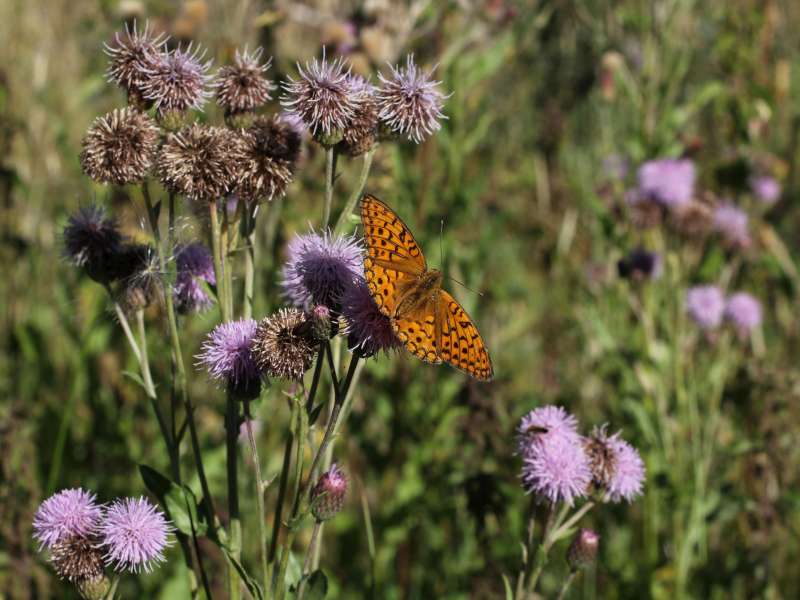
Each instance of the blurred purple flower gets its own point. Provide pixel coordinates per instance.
(766, 188)
(178, 81)
(66, 514)
(368, 330)
(410, 102)
(226, 352)
(135, 534)
(668, 181)
(320, 268)
(732, 223)
(705, 305)
(744, 311)
(92, 240)
(193, 262)
(545, 422)
(556, 468)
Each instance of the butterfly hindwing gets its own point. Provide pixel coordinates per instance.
(461, 345)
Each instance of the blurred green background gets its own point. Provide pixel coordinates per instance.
(543, 93)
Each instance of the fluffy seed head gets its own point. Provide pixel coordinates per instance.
(137, 272)
(409, 102)
(322, 97)
(133, 57)
(200, 162)
(270, 149)
(743, 311)
(545, 423)
(640, 265)
(320, 268)
(194, 263)
(583, 549)
(368, 330)
(327, 496)
(282, 345)
(766, 188)
(242, 86)
(226, 353)
(557, 469)
(178, 80)
(731, 222)
(91, 240)
(66, 514)
(362, 132)
(134, 534)
(705, 305)
(668, 181)
(120, 147)
(76, 558)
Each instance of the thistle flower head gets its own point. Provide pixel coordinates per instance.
(200, 162)
(640, 265)
(731, 223)
(368, 330)
(91, 240)
(743, 311)
(322, 97)
(583, 549)
(137, 271)
(617, 469)
(668, 181)
(545, 423)
(120, 147)
(705, 305)
(766, 188)
(320, 268)
(694, 219)
(77, 558)
(362, 132)
(193, 263)
(327, 496)
(242, 86)
(557, 469)
(409, 101)
(133, 56)
(282, 346)
(178, 80)
(226, 353)
(270, 149)
(66, 514)
(134, 534)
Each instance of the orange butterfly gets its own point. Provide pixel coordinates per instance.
(427, 319)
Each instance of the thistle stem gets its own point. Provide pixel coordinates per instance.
(262, 513)
(330, 176)
(235, 525)
(565, 586)
(341, 223)
(301, 591)
(249, 218)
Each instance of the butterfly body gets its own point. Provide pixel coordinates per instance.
(429, 322)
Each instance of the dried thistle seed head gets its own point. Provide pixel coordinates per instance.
(200, 162)
(91, 240)
(362, 132)
(178, 80)
(322, 97)
(271, 148)
(694, 219)
(242, 86)
(281, 345)
(136, 271)
(409, 102)
(120, 147)
(132, 58)
(77, 558)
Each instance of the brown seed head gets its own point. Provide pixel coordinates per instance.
(282, 347)
(242, 86)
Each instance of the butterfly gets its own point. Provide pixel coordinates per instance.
(424, 317)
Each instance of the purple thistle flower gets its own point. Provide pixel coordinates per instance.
(732, 223)
(135, 534)
(583, 549)
(766, 188)
(327, 496)
(193, 262)
(68, 513)
(320, 268)
(705, 305)
(92, 240)
(409, 101)
(556, 468)
(322, 96)
(617, 469)
(178, 80)
(226, 352)
(133, 56)
(744, 311)
(368, 330)
(545, 422)
(668, 181)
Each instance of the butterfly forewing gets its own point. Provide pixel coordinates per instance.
(461, 345)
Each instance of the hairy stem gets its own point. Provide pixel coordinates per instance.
(301, 591)
(330, 177)
(341, 223)
(262, 513)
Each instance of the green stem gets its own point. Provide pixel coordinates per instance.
(330, 175)
(249, 261)
(307, 562)
(235, 527)
(112, 590)
(262, 513)
(565, 586)
(341, 223)
(216, 251)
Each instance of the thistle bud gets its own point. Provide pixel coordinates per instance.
(583, 550)
(327, 497)
(95, 588)
(321, 323)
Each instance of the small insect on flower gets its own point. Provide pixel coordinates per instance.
(66, 514)
(368, 330)
(134, 534)
(194, 264)
(178, 80)
(409, 101)
(91, 241)
(242, 86)
(668, 181)
(132, 58)
(327, 496)
(744, 312)
(545, 422)
(282, 344)
(120, 147)
(705, 305)
(226, 353)
(617, 469)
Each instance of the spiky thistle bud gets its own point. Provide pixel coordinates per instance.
(583, 549)
(321, 324)
(242, 86)
(178, 81)
(327, 496)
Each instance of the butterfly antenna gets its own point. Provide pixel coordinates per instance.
(441, 243)
(464, 285)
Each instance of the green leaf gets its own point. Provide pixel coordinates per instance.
(179, 500)
(316, 586)
(507, 586)
(135, 376)
(250, 583)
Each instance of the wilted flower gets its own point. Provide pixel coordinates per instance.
(617, 469)
(133, 57)
(640, 265)
(91, 241)
(327, 496)
(134, 534)
(201, 162)
(545, 423)
(368, 330)
(766, 188)
(320, 269)
(361, 134)
(242, 86)
(322, 97)
(226, 353)
(409, 102)
(178, 80)
(583, 549)
(744, 311)
(194, 263)
(136, 270)
(77, 558)
(732, 223)
(705, 304)
(120, 147)
(693, 219)
(668, 181)
(270, 148)
(281, 344)
(644, 211)
(66, 514)
(556, 468)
